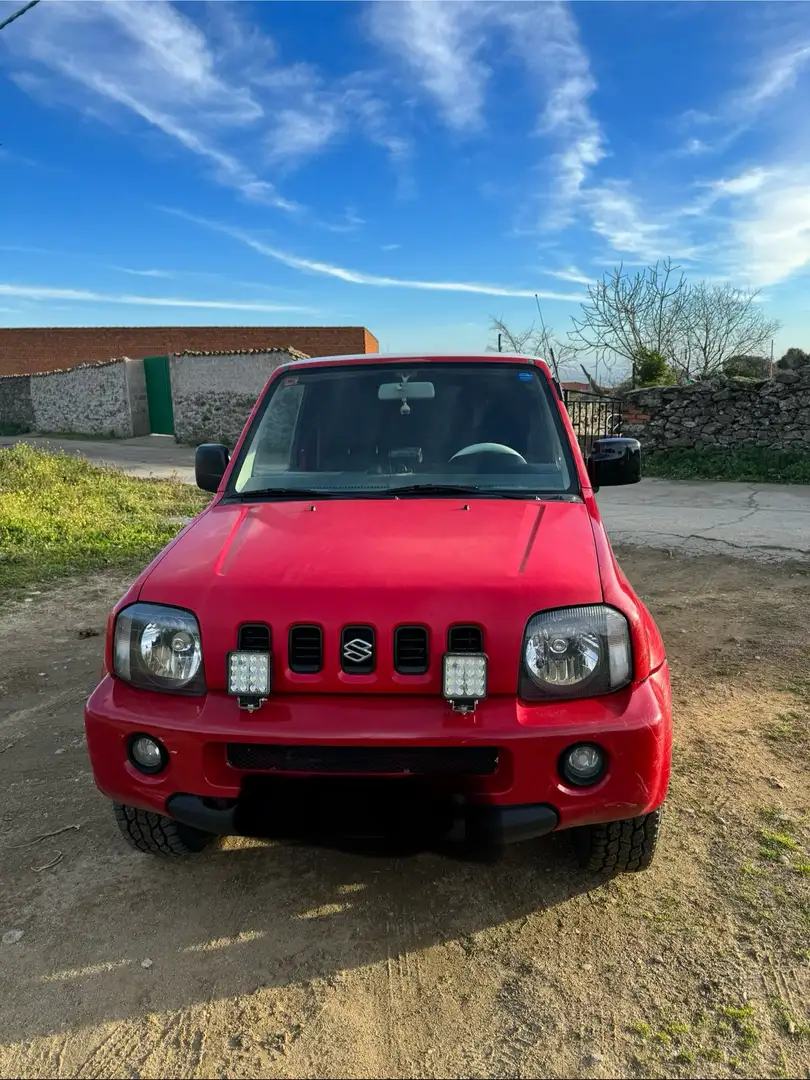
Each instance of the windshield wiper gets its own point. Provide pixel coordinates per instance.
(460, 489)
(288, 493)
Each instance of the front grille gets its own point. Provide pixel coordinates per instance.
(465, 639)
(357, 650)
(305, 649)
(418, 760)
(254, 637)
(411, 650)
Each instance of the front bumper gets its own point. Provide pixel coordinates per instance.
(524, 796)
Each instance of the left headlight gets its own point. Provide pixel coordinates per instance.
(575, 652)
(159, 648)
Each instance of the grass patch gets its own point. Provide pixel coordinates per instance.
(61, 515)
(753, 464)
(788, 731)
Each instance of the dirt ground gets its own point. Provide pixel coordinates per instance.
(281, 961)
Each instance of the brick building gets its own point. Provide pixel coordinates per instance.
(30, 350)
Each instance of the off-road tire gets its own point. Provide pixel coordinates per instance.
(156, 834)
(616, 847)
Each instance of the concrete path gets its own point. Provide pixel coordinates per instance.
(157, 456)
(770, 522)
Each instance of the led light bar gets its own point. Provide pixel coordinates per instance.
(464, 676)
(249, 674)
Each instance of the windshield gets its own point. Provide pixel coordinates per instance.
(383, 429)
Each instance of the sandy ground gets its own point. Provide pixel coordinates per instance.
(281, 961)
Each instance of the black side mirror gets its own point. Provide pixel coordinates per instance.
(614, 461)
(210, 463)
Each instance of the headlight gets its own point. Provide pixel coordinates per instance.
(158, 648)
(575, 652)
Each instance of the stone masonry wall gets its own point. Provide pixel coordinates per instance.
(16, 409)
(724, 413)
(213, 395)
(89, 400)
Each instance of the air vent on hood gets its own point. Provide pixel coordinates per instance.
(254, 637)
(411, 650)
(465, 639)
(306, 649)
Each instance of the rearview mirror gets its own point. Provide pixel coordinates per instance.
(210, 463)
(614, 461)
(411, 391)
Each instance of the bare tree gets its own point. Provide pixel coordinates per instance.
(534, 341)
(695, 328)
(625, 314)
(721, 322)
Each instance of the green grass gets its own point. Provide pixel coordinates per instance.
(60, 515)
(752, 464)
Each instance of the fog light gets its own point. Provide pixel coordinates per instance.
(249, 674)
(464, 677)
(148, 754)
(583, 764)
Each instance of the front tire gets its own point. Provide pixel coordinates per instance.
(617, 847)
(156, 834)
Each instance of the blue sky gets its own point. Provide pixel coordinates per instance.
(412, 167)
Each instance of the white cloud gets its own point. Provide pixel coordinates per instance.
(547, 38)
(617, 217)
(144, 273)
(439, 42)
(358, 277)
(46, 292)
(570, 273)
(150, 59)
(442, 43)
(770, 231)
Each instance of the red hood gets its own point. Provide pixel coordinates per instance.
(385, 562)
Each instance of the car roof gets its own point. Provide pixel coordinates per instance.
(422, 358)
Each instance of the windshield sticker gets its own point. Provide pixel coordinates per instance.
(525, 376)
(292, 380)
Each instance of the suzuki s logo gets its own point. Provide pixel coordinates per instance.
(358, 651)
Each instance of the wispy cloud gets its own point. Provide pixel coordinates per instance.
(769, 230)
(46, 292)
(547, 38)
(358, 277)
(452, 48)
(617, 216)
(144, 273)
(570, 273)
(439, 42)
(150, 59)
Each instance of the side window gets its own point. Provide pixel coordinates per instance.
(271, 448)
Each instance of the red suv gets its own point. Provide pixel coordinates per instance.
(400, 616)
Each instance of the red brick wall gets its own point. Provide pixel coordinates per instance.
(47, 349)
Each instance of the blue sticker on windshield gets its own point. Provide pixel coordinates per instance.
(525, 376)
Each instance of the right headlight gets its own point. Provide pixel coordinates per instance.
(575, 652)
(158, 648)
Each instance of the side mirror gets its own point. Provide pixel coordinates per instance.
(614, 461)
(210, 463)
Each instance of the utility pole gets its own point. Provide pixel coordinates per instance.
(18, 13)
(499, 343)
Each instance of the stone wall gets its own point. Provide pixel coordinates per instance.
(96, 399)
(16, 408)
(213, 395)
(724, 413)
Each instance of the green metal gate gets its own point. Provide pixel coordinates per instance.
(159, 395)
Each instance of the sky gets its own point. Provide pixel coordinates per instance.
(416, 168)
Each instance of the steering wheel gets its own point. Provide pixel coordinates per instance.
(475, 449)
